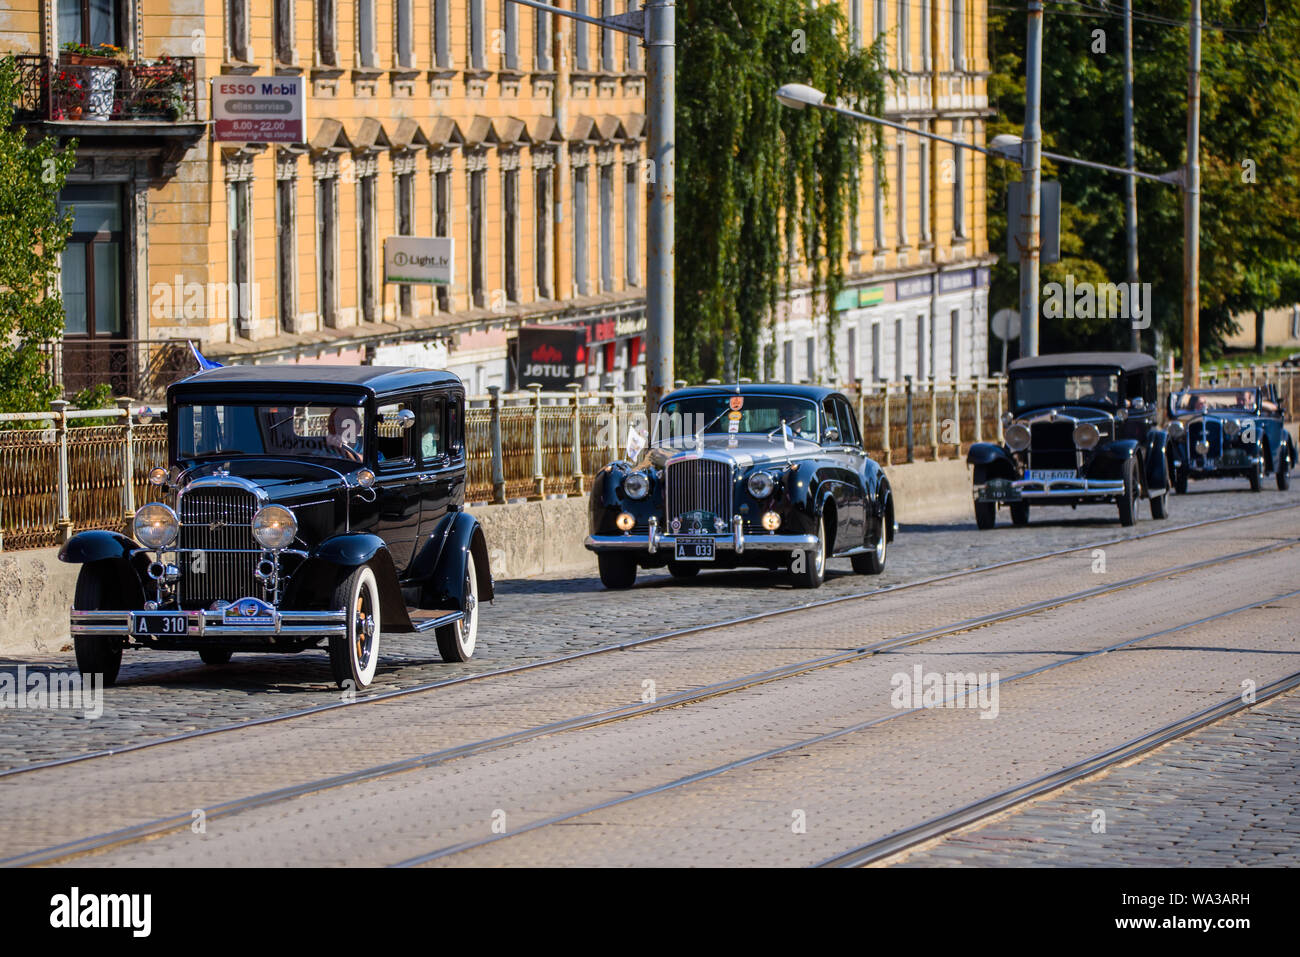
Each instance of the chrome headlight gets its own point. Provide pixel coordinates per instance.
(636, 486)
(761, 484)
(1176, 429)
(1086, 435)
(274, 527)
(1017, 436)
(1231, 427)
(156, 526)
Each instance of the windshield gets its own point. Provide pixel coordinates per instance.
(731, 414)
(309, 431)
(1234, 401)
(1086, 388)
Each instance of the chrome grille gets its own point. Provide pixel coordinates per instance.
(220, 522)
(1211, 430)
(697, 485)
(1051, 446)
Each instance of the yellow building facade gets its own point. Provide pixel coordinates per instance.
(516, 134)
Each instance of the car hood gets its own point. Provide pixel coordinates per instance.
(1079, 413)
(749, 450)
(283, 480)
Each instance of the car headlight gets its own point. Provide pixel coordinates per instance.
(1086, 435)
(1017, 436)
(274, 527)
(636, 486)
(1231, 427)
(156, 526)
(1176, 429)
(761, 484)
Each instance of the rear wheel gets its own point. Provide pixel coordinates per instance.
(1128, 500)
(1160, 505)
(873, 562)
(214, 656)
(456, 641)
(617, 570)
(683, 570)
(354, 655)
(97, 654)
(986, 515)
(809, 568)
(1283, 471)
(1257, 476)
(1019, 513)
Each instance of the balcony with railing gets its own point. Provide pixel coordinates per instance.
(105, 96)
(141, 368)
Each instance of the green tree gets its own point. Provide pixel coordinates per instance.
(755, 179)
(32, 238)
(1250, 156)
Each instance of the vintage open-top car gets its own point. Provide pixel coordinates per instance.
(765, 475)
(1080, 429)
(303, 504)
(1229, 432)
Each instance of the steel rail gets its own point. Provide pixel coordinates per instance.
(624, 645)
(160, 826)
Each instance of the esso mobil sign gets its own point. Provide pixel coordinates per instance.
(249, 109)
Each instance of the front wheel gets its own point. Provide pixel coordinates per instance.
(873, 562)
(354, 655)
(1128, 500)
(809, 568)
(1020, 513)
(683, 569)
(1257, 476)
(456, 641)
(214, 656)
(96, 654)
(1283, 472)
(986, 515)
(617, 570)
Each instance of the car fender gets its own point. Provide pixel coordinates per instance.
(996, 461)
(442, 574)
(1157, 459)
(96, 545)
(606, 500)
(1108, 460)
(312, 585)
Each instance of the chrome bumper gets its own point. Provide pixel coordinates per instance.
(734, 541)
(211, 624)
(1033, 489)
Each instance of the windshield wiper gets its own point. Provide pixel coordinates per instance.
(219, 452)
(704, 428)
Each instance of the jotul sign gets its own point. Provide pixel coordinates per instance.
(551, 356)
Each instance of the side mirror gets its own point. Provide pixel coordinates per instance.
(832, 434)
(1139, 404)
(405, 419)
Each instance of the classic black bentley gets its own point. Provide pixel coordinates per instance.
(765, 475)
(303, 504)
(1080, 429)
(1229, 432)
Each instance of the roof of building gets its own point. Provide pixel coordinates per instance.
(324, 375)
(1127, 361)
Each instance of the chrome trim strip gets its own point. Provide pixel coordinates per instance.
(211, 624)
(758, 542)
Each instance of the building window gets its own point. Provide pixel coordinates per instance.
(878, 215)
(89, 21)
(954, 345)
(477, 210)
(632, 224)
(404, 51)
(367, 54)
(240, 254)
(787, 360)
(286, 257)
(959, 181)
(327, 211)
(921, 340)
(442, 222)
(510, 37)
(606, 226)
(442, 33)
(405, 227)
(236, 30)
(327, 51)
(580, 230)
(810, 358)
(633, 45)
(904, 36)
(855, 212)
(542, 218)
(923, 184)
(581, 51)
(542, 36)
(901, 191)
(881, 18)
(925, 35)
(283, 31)
(367, 195)
(91, 266)
(855, 23)
(958, 35)
(510, 232)
(898, 350)
(477, 18)
(606, 38)
(876, 373)
(851, 342)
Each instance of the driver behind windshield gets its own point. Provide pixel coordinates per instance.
(343, 433)
(1101, 391)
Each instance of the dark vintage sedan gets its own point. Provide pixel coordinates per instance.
(1080, 429)
(767, 475)
(301, 506)
(1230, 433)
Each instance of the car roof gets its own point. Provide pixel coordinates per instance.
(307, 375)
(813, 393)
(1219, 389)
(1127, 361)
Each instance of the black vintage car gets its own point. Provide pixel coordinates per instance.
(1080, 429)
(765, 475)
(304, 504)
(1229, 432)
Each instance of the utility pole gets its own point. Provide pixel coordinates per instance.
(1192, 209)
(661, 81)
(1130, 184)
(1031, 177)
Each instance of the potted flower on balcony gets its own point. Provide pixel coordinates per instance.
(69, 95)
(100, 54)
(99, 64)
(160, 88)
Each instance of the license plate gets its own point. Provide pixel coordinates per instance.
(693, 550)
(1000, 491)
(161, 625)
(1046, 475)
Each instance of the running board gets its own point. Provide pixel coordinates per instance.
(422, 620)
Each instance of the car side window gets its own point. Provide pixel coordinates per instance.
(848, 424)
(830, 419)
(393, 446)
(432, 410)
(455, 436)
